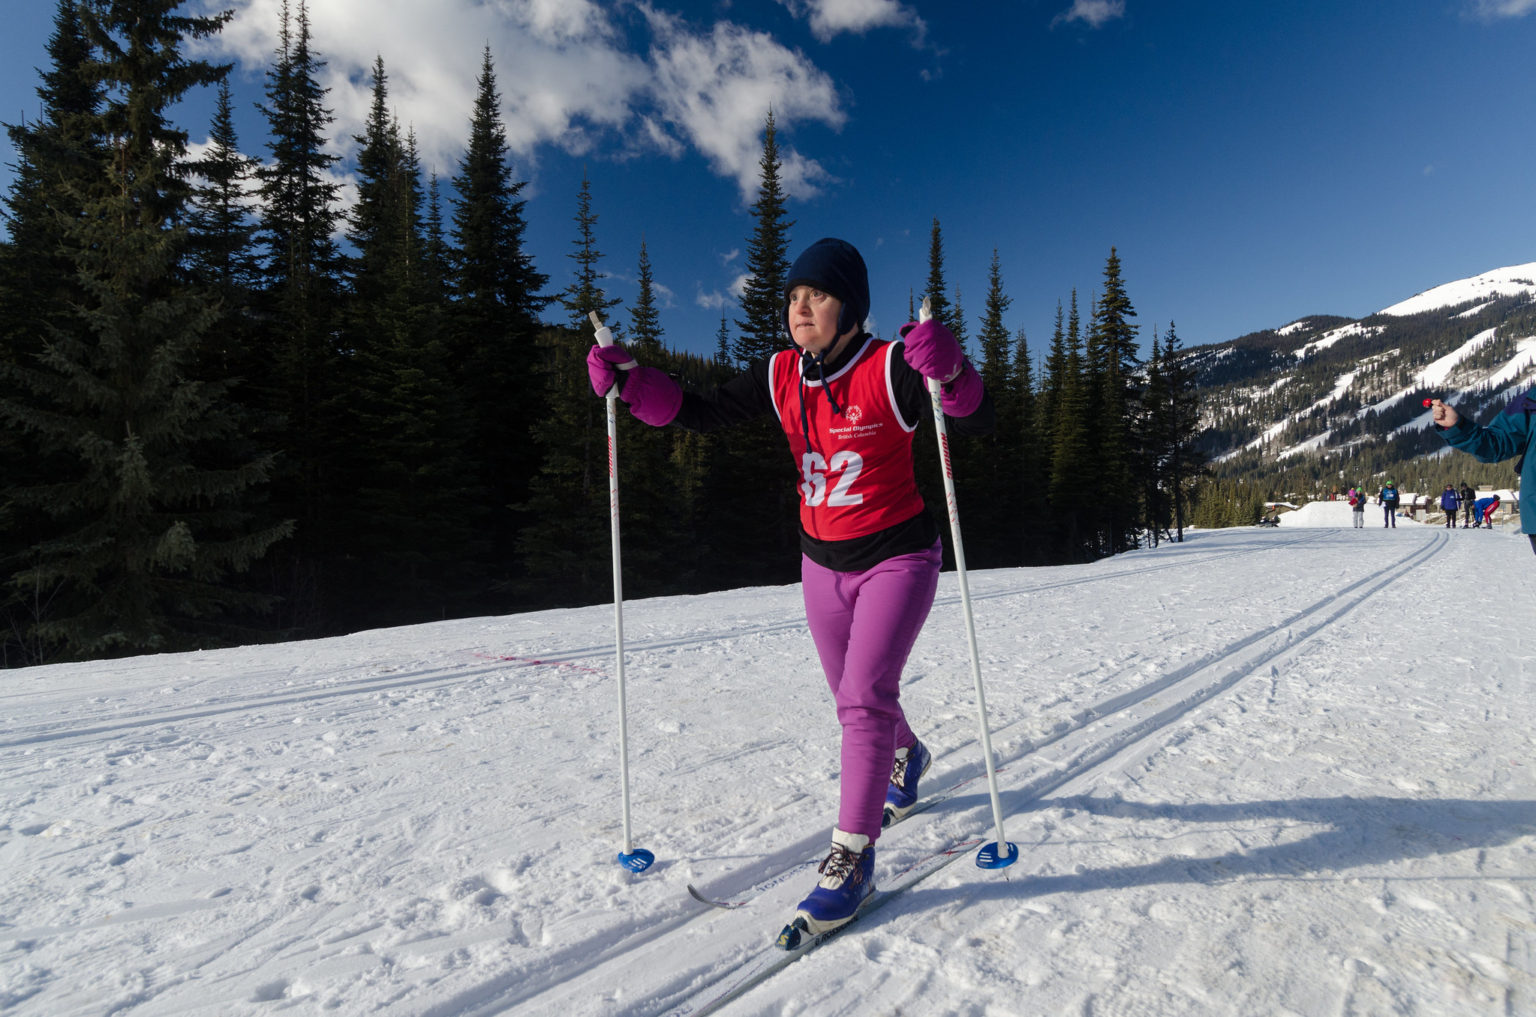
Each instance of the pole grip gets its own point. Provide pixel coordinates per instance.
(604, 333)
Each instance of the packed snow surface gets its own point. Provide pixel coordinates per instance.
(1263, 772)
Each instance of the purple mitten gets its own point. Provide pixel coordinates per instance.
(961, 396)
(603, 366)
(932, 350)
(653, 397)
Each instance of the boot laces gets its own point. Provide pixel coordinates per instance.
(839, 864)
(899, 769)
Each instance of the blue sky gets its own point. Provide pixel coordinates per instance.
(1252, 162)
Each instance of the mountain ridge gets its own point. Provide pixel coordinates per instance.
(1327, 401)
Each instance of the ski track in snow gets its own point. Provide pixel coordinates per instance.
(1260, 772)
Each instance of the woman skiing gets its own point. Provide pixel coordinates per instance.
(849, 405)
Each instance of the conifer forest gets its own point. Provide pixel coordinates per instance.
(235, 409)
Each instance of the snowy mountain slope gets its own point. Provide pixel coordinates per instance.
(1325, 386)
(1265, 771)
(1480, 289)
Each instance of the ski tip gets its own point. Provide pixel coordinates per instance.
(793, 934)
(989, 857)
(727, 905)
(637, 860)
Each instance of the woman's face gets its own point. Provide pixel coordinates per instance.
(813, 319)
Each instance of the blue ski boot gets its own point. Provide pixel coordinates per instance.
(847, 880)
(909, 767)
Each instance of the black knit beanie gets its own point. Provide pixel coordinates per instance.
(832, 266)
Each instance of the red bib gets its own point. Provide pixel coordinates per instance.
(856, 475)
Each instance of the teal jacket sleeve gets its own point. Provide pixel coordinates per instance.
(1506, 436)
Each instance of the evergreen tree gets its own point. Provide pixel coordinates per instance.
(1154, 438)
(437, 265)
(585, 295)
(1186, 464)
(937, 294)
(411, 524)
(565, 544)
(300, 292)
(762, 299)
(1054, 375)
(994, 340)
(723, 342)
(751, 478)
(381, 229)
(1114, 367)
(927, 462)
(58, 168)
(495, 328)
(645, 320)
(221, 242)
(60, 158)
(992, 461)
(658, 469)
(957, 323)
(150, 521)
(1073, 479)
(1031, 529)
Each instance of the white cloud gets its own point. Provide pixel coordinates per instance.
(567, 77)
(558, 21)
(561, 78)
(1094, 13)
(717, 88)
(715, 300)
(1493, 9)
(830, 17)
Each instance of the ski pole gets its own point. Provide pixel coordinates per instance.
(632, 858)
(1000, 854)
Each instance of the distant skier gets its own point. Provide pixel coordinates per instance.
(1389, 499)
(1450, 501)
(1468, 496)
(849, 404)
(1508, 435)
(1357, 502)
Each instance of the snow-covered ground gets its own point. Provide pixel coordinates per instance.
(1265, 772)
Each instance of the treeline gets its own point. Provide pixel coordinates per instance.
(233, 410)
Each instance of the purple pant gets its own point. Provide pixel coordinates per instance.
(864, 625)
